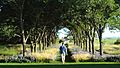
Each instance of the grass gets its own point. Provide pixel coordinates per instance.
(108, 46)
(110, 49)
(59, 63)
(109, 40)
(106, 41)
(47, 55)
(4, 50)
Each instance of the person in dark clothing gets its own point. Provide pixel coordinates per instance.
(63, 52)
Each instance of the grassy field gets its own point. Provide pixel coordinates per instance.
(5, 50)
(108, 46)
(58, 63)
(106, 41)
(67, 65)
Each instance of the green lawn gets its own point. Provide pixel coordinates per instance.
(4, 50)
(60, 65)
(108, 46)
(72, 63)
(106, 41)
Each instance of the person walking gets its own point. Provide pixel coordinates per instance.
(63, 52)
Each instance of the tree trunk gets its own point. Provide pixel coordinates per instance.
(93, 50)
(46, 41)
(83, 45)
(92, 41)
(100, 42)
(40, 46)
(86, 44)
(101, 52)
(35, 47)
(100, 39)
(51, 41)
(23, 45)
(43, 43)
(31, 47)
(89, 44)
(75, 39)
(22, 27)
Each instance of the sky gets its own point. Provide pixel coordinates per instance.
(62, 33)
(107, 33)
(111, 33)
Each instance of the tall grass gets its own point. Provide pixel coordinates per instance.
(4, 50)
(47, 55)
(108, 46)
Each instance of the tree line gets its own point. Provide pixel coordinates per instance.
(38, 21)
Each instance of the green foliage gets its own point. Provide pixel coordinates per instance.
(29, 17)
(115, 22)
(114, 19)
(7, 30)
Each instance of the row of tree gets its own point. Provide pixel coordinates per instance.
(37, 21)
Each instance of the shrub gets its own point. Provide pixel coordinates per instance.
(60, 41)
(113, 59)
(42, 57)
(105, 59)
(2, 60)
(46, 56)
(96, 59)
(16, 59)
(117, 41)
(81, 57)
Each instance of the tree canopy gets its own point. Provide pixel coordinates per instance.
(37, 21)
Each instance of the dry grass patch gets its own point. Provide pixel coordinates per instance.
(110, 49)
(47, 55)
(81, 57)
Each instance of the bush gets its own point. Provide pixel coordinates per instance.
(89, 58)
(81, 57)
(106, 59)
(42, 57)
(117, 41)
(113, 59)
(60, 41)
(47, 55)
(96, 59)
(16, 59)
